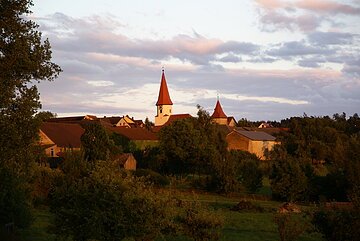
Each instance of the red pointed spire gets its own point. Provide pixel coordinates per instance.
(164, 97)
(218, 111)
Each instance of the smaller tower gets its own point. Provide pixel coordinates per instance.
(163, 104)
(219, 116)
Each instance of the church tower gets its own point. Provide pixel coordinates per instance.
(163, 104)
(219, 116)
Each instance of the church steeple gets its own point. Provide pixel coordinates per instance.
(163, 104)
(164, 97)
(218, 111)
(219, 116)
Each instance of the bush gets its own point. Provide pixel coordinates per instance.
(290, 226)
(153, 177)
(288, 181)
(199, 223)
(250, 174)
(338, 224)
(108, 206)
(44, 178)
(14, 201)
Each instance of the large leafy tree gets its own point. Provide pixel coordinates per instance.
(95, 142)
(24, 58)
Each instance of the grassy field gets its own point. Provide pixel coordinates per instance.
(245, 226)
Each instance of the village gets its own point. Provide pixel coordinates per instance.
(58, 135)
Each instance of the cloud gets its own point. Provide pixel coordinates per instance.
(106, 72)
(303, 15)
(330, 38)
(298, 48)
(88, 35)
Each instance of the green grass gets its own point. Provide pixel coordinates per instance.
(38, 231)
(245, 226)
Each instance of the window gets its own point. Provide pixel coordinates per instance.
(52, 152)
(160, 109)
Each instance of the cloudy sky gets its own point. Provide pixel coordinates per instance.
(265, 59)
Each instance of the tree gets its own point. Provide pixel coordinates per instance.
(23, 58)
(288, 181)
(95, 142)
(106, 205)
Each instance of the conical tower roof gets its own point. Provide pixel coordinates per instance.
(218, 111)
(164, 97)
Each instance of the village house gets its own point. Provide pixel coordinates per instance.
(256, 142)
(57, 138)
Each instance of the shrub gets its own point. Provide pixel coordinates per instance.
(250, 174)
(153, 177)
(199, 223)
(290, 226)
(14, 204)
(108, 206)
(338, 224)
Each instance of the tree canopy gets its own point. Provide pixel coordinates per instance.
(24, 57)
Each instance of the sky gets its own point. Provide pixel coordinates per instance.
(264, 59)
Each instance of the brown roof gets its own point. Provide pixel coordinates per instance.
(164, 97)
(218, 111)
(256, 135)
(63, 134)
(112, 120)
(72, 119)
(271, 130)
(136, 134)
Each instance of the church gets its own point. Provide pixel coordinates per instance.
(164, 114)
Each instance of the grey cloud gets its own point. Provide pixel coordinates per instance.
(298, 48)
(303, 15)
(330, 38)
(230, 58)
(90, 35)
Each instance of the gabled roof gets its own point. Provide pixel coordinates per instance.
(164, 97)
(135, 134)
(63, 134)
(72, 119)
(256, 135)
(218, 111)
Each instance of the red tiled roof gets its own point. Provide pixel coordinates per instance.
(136, 134)
(72, 119)
(63, 134)
(164, 97)
(218, 111)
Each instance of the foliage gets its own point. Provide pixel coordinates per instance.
(95, 142)
(250, 174)
(14, 207)
(43, 180)
(123, 144)
(108, 206)
(199, 223)
(23, 58)
(290, 226)
(288, 181)
(338, 224)
(45, 115)
(153, 177)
